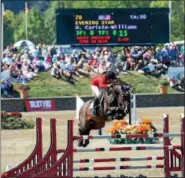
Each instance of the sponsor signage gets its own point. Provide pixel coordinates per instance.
(40, 105)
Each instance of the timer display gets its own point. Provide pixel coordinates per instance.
(112, 26)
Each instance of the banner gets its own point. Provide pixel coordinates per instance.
(40, 105)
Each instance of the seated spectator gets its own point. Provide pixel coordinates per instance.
(54, 59)
(6, 88)
(7, 51)
(26, 71)
(53, 51)
(109, 65)
(165, 55)
(149, 68)
(70, 69)
(8, 59)
(56, 70)
(93, 64)
(134, 51)
(158, 55)
(81, 62)
(14, 71)
(178, 84)
(130, 64)
(173, 54)
(101, 67)
(36, 65)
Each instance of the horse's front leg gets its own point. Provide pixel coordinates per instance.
(86, 141)
(84, 132)
(80, 142)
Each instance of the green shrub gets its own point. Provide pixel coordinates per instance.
(164, 83)
(8, 123)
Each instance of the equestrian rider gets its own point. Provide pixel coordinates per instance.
(100, 82)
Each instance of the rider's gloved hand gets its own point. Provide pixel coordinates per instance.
(110, 85)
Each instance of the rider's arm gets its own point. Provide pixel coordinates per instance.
(103, 85)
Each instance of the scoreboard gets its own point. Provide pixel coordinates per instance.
(112, 26)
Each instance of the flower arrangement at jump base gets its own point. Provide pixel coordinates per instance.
(121, 127)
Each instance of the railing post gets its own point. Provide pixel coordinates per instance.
(70, 147)
(166, 143)
(183, 144)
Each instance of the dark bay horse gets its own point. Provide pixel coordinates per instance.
(119, 107)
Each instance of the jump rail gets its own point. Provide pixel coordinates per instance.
(49, 166)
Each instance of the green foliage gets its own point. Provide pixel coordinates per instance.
(19, 31)
(10, 122)
(36, 28)
(9, 17)
(177, 21)
(164, 83)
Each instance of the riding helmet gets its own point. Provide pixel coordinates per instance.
(110, 75)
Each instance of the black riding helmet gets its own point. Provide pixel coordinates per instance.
(110, 75)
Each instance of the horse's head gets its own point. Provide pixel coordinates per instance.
(122, 94)
(126, 91)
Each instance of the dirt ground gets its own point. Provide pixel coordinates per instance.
(16, 145)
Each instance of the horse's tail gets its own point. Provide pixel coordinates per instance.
(79, 104)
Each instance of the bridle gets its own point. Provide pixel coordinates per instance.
(124, 92)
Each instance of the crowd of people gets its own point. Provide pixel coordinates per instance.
(25, 64)
(153, 61)
(21, 66)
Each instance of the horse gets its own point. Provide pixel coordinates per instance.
(119, 107)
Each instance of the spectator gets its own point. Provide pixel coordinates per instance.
(150, 67)
(165, 55)
(26, 71)
(6, 88)
(53, 51)
(158, 54)
(8, 59)
(173, 54)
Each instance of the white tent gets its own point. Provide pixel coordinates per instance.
(24, 43)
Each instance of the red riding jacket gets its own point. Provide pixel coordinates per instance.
(100, 81)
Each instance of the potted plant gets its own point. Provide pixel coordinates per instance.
(164, 86)
(24, 91)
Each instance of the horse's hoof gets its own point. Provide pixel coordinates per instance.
(80, 144)
(87, 142)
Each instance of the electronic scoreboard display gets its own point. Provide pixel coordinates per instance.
(112, 26)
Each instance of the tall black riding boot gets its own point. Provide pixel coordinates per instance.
(95, 106)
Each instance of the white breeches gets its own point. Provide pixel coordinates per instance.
(95, 91)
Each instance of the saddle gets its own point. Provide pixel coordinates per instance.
(98, 104)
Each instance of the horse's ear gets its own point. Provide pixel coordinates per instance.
(126, 87)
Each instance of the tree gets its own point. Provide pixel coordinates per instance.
(177, 21)
(19, 31)
(36, 26)
(50, 22)
(9, 26)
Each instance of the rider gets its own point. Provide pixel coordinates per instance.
(99, 82)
